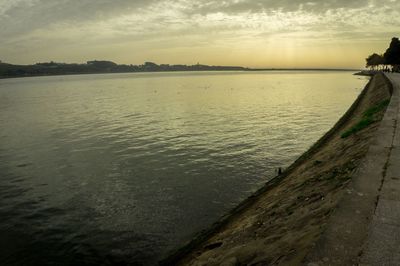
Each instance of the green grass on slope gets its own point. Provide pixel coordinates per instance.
(367, 119)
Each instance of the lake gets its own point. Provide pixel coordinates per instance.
(123, 168)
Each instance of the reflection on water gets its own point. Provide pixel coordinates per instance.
(121, 168)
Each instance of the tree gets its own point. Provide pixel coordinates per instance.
(101, 64)
(150, 66)
(374, 61)
(392, 54)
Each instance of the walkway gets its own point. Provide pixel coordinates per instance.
(383, 243)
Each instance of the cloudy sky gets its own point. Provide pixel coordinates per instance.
(253, 33)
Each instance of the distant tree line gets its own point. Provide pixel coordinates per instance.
(90, 67)
(389, 61)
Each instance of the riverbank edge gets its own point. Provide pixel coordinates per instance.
(186, 71)
(175, 256)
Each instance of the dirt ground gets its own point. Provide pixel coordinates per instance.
(280, 224)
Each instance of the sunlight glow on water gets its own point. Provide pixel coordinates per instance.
(124, 167)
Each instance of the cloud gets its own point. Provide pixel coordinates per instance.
(259, 6)
(21, 16)
(40, 29)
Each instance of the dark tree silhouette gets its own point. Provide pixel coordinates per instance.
(390, 60)
(101, 64)
(392, 54)
(375, 61)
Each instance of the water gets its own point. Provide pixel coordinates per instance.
(122, 168)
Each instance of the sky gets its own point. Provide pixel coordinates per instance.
(250, 33)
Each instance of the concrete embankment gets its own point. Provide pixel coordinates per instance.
(355, 233)
(285, 222)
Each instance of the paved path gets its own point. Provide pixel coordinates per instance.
(382, 246)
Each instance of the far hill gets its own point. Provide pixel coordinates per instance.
(92, 67)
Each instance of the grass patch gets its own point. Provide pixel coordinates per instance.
(367, 119)
(377, 108)
(357, 127)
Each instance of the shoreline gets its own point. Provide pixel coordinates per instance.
(205, 245)
(190, 71)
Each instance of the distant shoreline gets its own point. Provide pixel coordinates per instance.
(176, 71)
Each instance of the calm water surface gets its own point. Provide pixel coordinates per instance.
(122, 168)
